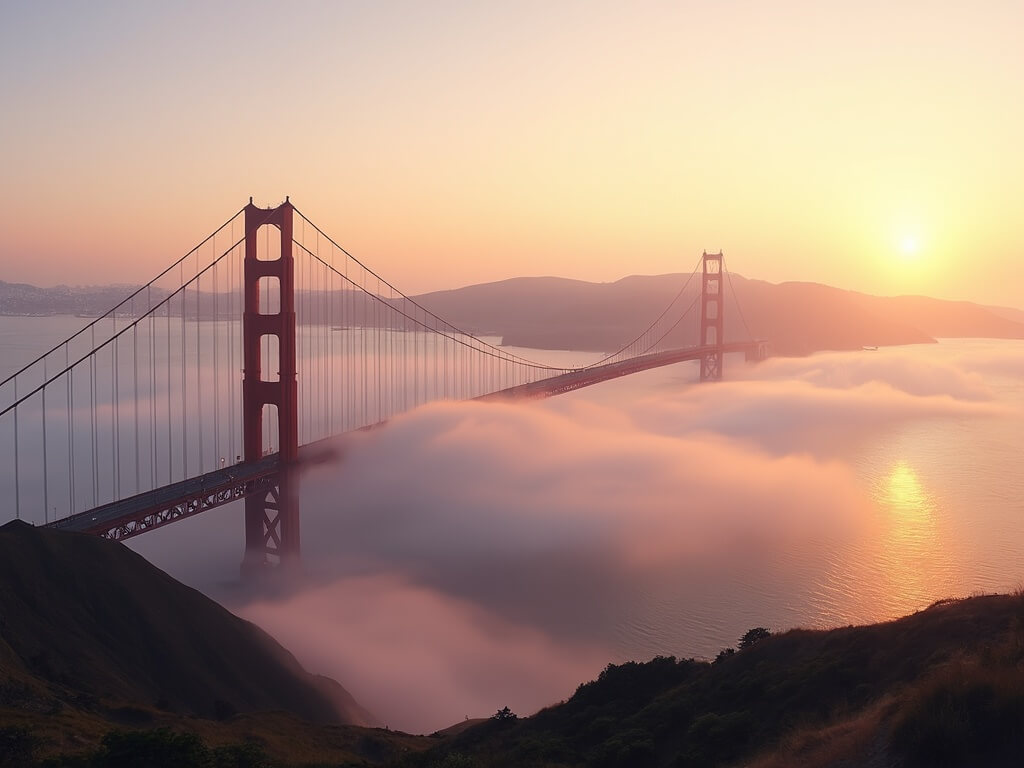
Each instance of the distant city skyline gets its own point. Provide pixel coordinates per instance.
(870, 146)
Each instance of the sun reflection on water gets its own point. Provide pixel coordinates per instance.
(905, 496)
(910, 547)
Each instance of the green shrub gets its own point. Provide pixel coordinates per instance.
(753, 636)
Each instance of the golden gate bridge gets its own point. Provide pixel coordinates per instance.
(218, 379)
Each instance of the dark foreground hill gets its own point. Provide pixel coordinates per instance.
(944, 687)
(86, 622)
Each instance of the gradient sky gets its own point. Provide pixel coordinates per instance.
(870, 145)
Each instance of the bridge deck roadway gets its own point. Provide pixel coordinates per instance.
(585, 377)
(186, 498)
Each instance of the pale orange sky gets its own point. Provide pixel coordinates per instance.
(874, 146)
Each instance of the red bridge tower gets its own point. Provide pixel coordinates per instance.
(271, 518)
(711, 329)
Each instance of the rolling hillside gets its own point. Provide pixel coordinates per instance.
(943, 687)
(87, 623)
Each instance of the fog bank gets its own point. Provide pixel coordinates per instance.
(471, 556)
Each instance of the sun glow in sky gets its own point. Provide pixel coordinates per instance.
(454, 142)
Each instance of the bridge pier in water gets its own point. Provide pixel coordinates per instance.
(271, 516)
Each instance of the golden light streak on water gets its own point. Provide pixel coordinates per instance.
(910, 541)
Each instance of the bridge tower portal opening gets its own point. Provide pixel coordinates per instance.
(271, 517)
(711, 313)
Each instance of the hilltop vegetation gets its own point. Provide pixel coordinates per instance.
(944, 687)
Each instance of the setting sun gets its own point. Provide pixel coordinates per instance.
(910, 248)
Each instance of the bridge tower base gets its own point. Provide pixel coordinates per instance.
(711, 327)
(271, 518)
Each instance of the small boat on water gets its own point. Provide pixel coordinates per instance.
(870, 348)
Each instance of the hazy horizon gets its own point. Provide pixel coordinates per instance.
(1017, 307)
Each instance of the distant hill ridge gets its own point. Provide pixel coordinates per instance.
(86, 622)
(798, 318)
(89, 300)
(562, 313)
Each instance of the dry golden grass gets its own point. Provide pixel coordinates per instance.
(849, 741)
(968, 707)
(967, 711)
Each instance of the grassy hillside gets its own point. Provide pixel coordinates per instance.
(71, 737)
(944, 687)
(107, 661)
(87, 623)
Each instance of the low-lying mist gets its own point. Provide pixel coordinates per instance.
(472, 556)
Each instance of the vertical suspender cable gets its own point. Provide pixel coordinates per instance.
(232, 371)
(415, 362)
(152, 389)
(330, 342)
(301, 342)
(184, 383)
(348, 345)
(71, 432)
(389, 384)
(376, 351)
(366, 416)
(170, 418)
(116, 395)
(92, 409)
(321, 382)
(17, 472)
(135, 379)
(216, 372)
(405, 359)
(328, 320)
(199, 370)
(46, 485)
